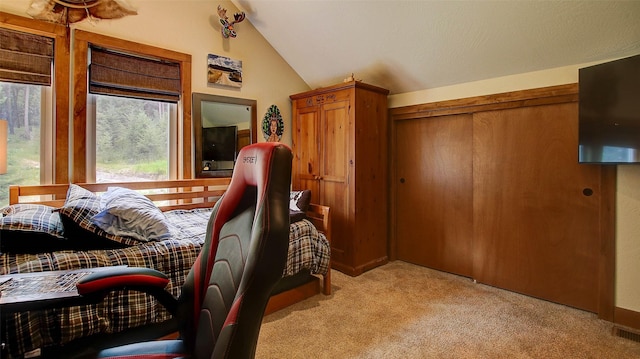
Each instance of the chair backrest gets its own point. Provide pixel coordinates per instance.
(226, 292)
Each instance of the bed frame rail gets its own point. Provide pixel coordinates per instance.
(167, 195)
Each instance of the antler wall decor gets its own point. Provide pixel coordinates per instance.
(227, 27)
(69, 11)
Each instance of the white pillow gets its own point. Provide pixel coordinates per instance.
(125, 212)
(299, 200)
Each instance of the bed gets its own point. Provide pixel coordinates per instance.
(74, 242)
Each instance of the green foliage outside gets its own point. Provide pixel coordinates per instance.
(23, 162)
(23, 140)
(131, 135)
(132, 138)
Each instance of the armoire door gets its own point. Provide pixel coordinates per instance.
(433, 199)
(334, 176)
(307, 151)
(536, 210)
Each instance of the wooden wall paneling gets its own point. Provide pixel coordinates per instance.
(433, 196)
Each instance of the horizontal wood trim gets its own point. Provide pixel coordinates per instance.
(43, 28)
(533, 97)
(124, 45)
(337, 87)
(626, 317)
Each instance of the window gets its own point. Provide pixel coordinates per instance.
(26, 102)
(28, 125)
(132, 139)
(64, 139)
(131, 113)
(133, 98)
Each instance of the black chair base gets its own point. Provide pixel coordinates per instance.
(88, 347)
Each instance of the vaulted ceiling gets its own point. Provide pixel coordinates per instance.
(407, 45)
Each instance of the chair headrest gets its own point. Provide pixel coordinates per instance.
(258, 165)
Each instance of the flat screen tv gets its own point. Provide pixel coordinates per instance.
(219, 143)
(609, 112)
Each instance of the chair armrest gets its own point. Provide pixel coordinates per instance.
(118, 277)
(140, 279)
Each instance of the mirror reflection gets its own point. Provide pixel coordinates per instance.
(222, 126)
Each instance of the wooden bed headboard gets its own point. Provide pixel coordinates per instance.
(167, 195)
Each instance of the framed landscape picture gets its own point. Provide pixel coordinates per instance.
(224, 71)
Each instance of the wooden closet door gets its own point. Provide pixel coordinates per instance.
(433, 199)
(535, 224)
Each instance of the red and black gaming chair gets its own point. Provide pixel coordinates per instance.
(222, 302)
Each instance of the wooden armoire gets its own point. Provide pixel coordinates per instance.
(340, 154)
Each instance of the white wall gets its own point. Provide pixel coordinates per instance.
(627, 284)
(628, 238)
(193, 27)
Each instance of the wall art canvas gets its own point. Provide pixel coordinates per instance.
(224, 71)
(272, 125)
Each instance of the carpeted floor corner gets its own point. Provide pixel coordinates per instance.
(406, 311)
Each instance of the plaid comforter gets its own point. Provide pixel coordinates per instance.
(126, 309)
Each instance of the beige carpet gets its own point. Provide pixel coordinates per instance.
(405, 311)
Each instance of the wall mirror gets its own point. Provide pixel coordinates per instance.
(221, 127)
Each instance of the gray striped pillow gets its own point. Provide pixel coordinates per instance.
(126, 212)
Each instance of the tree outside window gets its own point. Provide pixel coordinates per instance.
(20, 105)
(132, 139)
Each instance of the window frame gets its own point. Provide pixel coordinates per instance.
(180, 134)
(56, 134)
(91, 144)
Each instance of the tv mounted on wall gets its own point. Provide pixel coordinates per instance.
(219, 143)
(609, 112)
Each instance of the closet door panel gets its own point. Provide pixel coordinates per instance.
(535, 224)
(433, 183)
